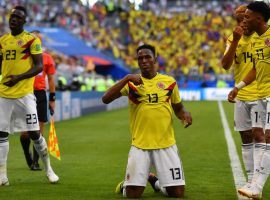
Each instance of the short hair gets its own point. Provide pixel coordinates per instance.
(147, 46)
(22, 8)
(261, 8)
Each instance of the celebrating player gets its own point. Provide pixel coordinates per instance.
(41, 99)
(21, 60)
(246, 120)
(256, 17)
(152, 99)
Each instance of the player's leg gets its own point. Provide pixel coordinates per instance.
(170, 172)
(42, 108)
(25, 142)
(243, 124)
(26, 119)
(4, 148)
(5, 129)
(136, 173)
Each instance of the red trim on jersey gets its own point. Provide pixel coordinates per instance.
(170, 88)
(133, 94)
(27, 49)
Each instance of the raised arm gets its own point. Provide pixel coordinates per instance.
(229, 56)
(114, 92)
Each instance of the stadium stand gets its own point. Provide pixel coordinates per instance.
(190, 36)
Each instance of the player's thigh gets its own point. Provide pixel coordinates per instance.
(42, 105)
(137, 167)
(169, 166)
(262, 108)
(25, 114)
(6, 106)
(242, 116)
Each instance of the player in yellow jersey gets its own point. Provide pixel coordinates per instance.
(152, 100)
(246, 114)
(256, 18)
(21, 60)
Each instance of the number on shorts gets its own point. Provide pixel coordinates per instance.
(31, 118)
(268, 117)
(256, 116)
(175, 173)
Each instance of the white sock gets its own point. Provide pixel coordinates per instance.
(4, 148)
(162, 189)
(265, 168)
(124, 192)
(247, 154)
(41, 147)
(259, 150)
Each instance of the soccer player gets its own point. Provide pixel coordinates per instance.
(246, 120)
(21, 60)
(153, 98)
(41, 99)
(256, 18)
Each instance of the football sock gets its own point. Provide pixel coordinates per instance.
(162, 189)
(4, 148)
(35, 155)
(247, 154)
(259, 150)
(41, 147)
(124, 192)
(264, 171)
(25, 142)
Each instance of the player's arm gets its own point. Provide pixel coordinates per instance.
(33, 71)
(182, 114)
(52, 93)
(229, 56)
(1, 59)
(250, 77)
(115, 91)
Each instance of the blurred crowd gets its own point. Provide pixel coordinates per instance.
(189, 35)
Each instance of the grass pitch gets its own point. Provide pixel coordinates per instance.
(94, 153)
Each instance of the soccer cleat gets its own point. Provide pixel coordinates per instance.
(119, 188)
(35, 167)
(52, 177)
(152, 179)
(4, 181)
(252, 192)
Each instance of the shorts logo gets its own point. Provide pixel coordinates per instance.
(20, 43)
(267, 42)
(160, 85)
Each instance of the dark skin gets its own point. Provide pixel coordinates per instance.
(146, 61)
(16, 24)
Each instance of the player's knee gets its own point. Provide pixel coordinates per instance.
(267, 136)
(3, 134)
(258, 135)
(134, 192)
(34, 135)
(25, 135)
(246, 136)
(176, 191)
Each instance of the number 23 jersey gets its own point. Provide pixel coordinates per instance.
(16, 59)
(151, 113)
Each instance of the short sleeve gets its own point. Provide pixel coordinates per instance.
(125, 90)
(175, 98)
(36, 47)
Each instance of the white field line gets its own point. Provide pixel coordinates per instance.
(238, 175)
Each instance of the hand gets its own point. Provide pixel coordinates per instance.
(237, 33)
(51, 107)
(186, 119)
(136, 79)
(233, 93)
(13, 80)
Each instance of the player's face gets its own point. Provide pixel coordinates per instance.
(146, 61)
(16, 20)
(250, 20)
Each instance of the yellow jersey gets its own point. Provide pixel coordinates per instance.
(16, 59)
(242, 65)
(261, 51)
(151, 113)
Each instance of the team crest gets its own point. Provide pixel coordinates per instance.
(160, 85)
(267, 42)
(20, 43)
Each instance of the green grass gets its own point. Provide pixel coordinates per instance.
(94, 153)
